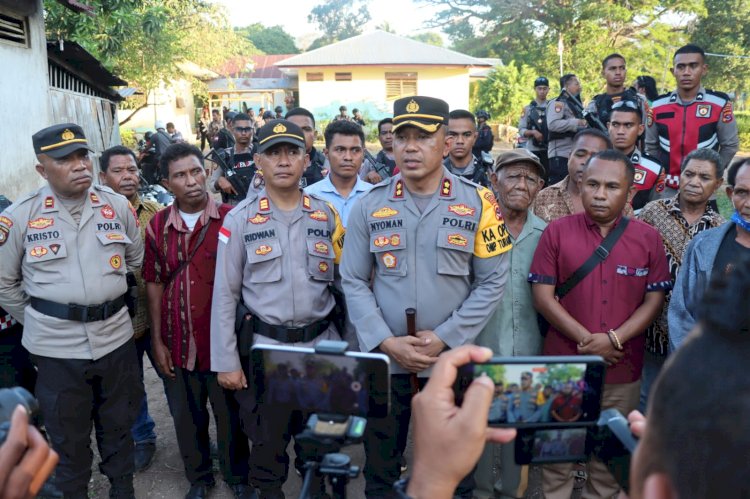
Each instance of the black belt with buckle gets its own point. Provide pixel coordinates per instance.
(79, 313)
(291, 334)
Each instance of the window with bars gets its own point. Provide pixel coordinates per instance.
(14, 30)
(399, 85)
(314, 76)
(343, 77)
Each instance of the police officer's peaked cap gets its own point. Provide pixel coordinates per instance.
(57, 141)
(519, 155)
(427, 113)
(541, 82)
(280, 132)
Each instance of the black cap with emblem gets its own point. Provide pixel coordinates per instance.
(541, 82)
(427, 113)
(57, 141)
(280, 132)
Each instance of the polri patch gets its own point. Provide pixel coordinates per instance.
(115, 262)
(108, 212)
(703, 111)
(38, 251)
(389, 260)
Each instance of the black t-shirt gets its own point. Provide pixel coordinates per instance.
(730, 251)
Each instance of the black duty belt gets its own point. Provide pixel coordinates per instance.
(80, 313)
(291, 334)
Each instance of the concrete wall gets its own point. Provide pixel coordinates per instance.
(25, 104)
(163, 106)
(367, 91)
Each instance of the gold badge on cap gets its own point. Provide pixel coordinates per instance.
(412, 106)
(67, 135)
(279, 128)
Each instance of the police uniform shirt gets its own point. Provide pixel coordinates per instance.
(281, 269)
(45, 254)
(531, 111)
(475, 171)
(562, 124)
(448, 262)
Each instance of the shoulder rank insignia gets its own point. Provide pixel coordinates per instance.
(306, 202)
(6, 221)
(94, 197)
(49, 202)
(446, 187)
(398, 190)
(263, 204)
(384, 212)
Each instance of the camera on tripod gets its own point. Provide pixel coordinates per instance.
(336, 390)
(10, 398)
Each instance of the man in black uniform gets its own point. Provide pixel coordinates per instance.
(239, 158)
(485, 140)
(384, 164)
(615, 74)
(225, 138)
(533, 124)
(315, 167)
(461, 138)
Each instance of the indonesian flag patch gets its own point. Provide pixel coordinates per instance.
(224, 234)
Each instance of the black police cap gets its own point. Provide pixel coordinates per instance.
(57, 141)
(280, 132)
(541, 82)
(427, 113)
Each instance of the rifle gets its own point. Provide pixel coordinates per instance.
(239, 183)
(380, 168)
(591, 118)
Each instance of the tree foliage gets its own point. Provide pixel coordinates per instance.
(143, 41)
(528, 32)
(338, 20)
(725, 29)
(506, 91)
(269, 40)
(430, 38)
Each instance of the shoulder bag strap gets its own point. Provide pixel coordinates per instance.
(598, 256)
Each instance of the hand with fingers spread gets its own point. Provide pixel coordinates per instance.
(26, 461)
(442, 429)
(404, 350)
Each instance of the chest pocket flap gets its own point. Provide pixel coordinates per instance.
(456, 247)
(45, 252)
(264, 260)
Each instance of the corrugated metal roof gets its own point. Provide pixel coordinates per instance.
(380, 48)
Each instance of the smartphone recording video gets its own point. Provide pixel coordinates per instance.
(540, 391)
(353, 383)
(557, 445)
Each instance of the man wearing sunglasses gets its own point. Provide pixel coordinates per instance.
(240, 159)
(625, 126)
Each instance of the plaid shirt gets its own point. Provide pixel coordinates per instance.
(146, 210)
(665, 216)
(186, 302)
(555, 202)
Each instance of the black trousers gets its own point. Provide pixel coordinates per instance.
(72, 392)
(385, 442)
(188, 395)
(558, 169)
(16, 368)
(544, 160)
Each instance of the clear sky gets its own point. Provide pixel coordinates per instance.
(405, 16)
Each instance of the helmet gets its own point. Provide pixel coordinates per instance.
(483, 114)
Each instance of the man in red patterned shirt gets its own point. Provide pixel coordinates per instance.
(179, 271)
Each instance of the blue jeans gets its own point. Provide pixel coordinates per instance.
(143, 428)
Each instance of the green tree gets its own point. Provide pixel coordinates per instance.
(143, 41)
(725, 29)
(338, 20)
(560, 373)
(505, 91)
(269, 40)
(430, 38)
(528, 32)
(496, 372)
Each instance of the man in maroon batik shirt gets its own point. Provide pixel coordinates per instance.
(607, 312)
(179, 270)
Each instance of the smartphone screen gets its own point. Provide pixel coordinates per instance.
(544, 445)
(299, 378)
(540, 391)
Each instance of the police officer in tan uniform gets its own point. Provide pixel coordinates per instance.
(424, 239)
(65, 250)
(277, 253)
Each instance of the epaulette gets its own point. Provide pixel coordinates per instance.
(718, 94)
(104, 188)
(26, 197)
(251, 197)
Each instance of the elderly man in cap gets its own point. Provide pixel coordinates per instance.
(424, 239)
(513, 330)
(67, 253)
(277, 256)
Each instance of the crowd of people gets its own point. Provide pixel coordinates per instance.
(573, 254)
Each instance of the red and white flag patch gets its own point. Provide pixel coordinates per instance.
(224, 234)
